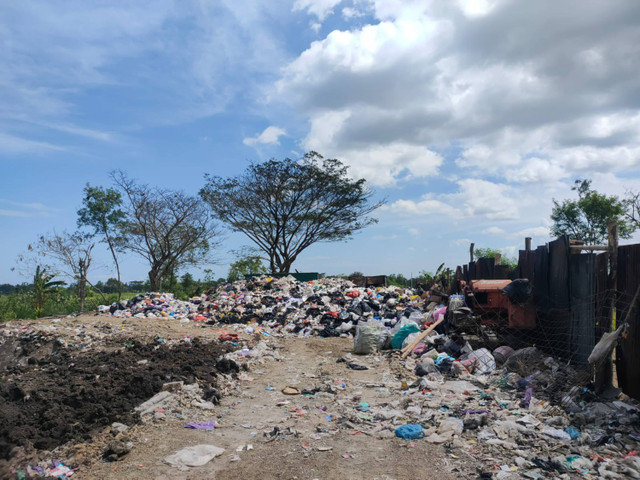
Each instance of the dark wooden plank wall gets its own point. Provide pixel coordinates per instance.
(582, 285)
(628, 352)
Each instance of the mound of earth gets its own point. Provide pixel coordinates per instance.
(69, 395)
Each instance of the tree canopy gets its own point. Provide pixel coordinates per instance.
(102, 212)
(245, 266)
(489, 252)
(169, 229)
(285, 206)
(587, 217)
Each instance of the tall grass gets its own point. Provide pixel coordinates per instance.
(19, 306)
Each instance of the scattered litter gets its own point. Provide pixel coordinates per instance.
(202, 425)
(195, 456)
(291, 391)
(410, 432)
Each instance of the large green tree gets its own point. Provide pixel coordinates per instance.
(102, 212)
(587, 217)
(245, 266)
(285, 206)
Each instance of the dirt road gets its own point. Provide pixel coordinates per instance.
(317, 434)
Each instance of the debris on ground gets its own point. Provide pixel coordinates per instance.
(498, 411)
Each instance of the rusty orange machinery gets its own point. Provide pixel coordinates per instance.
(487, 299)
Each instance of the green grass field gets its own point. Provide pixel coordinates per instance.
(21, 306)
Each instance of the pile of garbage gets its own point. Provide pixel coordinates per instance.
(326, 307)
(515, 410)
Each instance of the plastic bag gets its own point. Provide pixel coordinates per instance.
(384, 343)
(605, 345)
(410, 431)
(484, 361)
(398, 338)
(518, 291)
(367, 337)
(410, 338)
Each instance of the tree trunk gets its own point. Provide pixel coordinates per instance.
(82, 291)
(155, 280)
(115, 260)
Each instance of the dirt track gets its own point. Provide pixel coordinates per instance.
(318, 434)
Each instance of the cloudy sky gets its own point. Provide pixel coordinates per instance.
(468, 116)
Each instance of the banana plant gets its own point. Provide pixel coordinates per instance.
(43, 285)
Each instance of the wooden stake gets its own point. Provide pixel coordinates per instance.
(407, 350)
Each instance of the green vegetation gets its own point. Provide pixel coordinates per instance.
(510, 262)
(245, 266)
(587, 217)
(102, 212)
(43, 287)
(61, 302)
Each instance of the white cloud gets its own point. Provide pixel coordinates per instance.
(21, 209)
(11, 144)
(413, 231)
(426, 207)
(493, 231)
(486, 199)
(461, 241)
(270, 136)
(319, 8)
(436, 74)
(539, 232)
(384, 237)
(476, 8)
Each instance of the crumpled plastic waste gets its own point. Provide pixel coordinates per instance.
(201, 425)
(410, 431)
(194, 456)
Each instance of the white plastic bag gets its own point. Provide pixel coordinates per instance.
(367, 337)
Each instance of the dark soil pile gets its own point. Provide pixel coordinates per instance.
(46, 401)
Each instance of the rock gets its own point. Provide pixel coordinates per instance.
(524, 361)
(154, 402)
(115, 450)
(172, 386)
(118, 427)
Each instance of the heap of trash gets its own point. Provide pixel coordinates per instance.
(326, 307)
(522, 412)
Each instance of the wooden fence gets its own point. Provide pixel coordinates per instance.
(574, 293)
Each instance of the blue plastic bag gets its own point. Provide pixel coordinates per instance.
(410, 431)
(573, 433)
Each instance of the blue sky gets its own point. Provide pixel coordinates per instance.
(469, 116)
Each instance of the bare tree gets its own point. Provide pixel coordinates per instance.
(72, 254)
(169, 229)
(632, 204)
